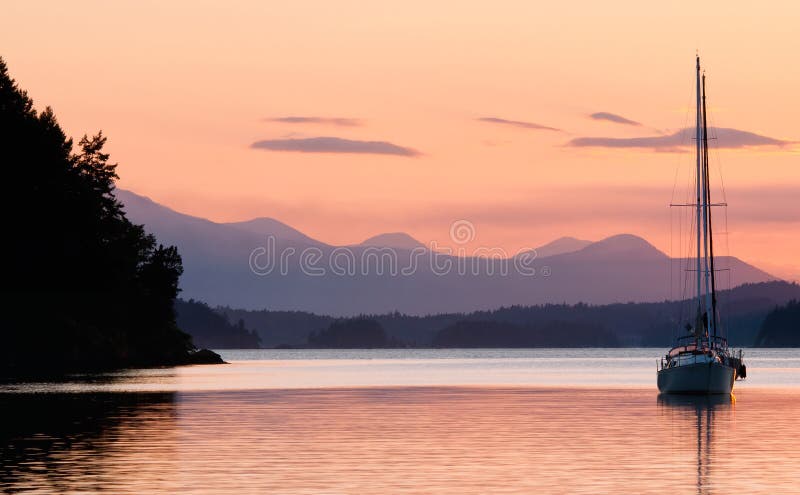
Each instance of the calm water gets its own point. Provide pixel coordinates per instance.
(364, 422)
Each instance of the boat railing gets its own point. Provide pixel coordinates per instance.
(690, 340)
(686, 359)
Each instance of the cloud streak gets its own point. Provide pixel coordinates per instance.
(334, 145)
(612, 117)
(336, 121)
(679, 141)
(643, 206)
(518, 123)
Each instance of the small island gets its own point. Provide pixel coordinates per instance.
(353, 333)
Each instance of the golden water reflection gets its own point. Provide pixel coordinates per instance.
(408, 440)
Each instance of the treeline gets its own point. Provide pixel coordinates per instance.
(82, 286)
(349, 333)
(744, 308)
(501, 334)
(280, 328)
(781, 327)
(211, 329)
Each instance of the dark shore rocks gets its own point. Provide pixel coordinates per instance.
(204, 356)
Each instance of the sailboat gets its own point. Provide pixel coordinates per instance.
(700, 361)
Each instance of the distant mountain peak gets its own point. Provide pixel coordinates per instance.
(625, 241)
(623, 244)
(397, 240)
(562, 245)
(265, 226)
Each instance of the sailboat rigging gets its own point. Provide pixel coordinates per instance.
(700, 360)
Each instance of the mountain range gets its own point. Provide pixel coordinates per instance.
(264, 263)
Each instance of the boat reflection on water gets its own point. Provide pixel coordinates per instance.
(692, 419)
(694, 402)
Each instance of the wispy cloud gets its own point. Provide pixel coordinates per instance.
(612, 117)
(334, 145)
(518, 123)
(722, 137)
(337, 121)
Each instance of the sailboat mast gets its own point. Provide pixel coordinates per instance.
(704, 169)
(713, 317)
(699, 180)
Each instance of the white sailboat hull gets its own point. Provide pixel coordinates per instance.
(700, 378)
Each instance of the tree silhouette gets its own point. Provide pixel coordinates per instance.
(82, 286)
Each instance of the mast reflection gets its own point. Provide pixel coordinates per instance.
(697, 413)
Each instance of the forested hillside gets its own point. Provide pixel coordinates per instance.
(83, 287)
(743, 310)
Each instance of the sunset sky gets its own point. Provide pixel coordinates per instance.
(459, 110)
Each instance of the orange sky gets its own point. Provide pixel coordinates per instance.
(183, 89)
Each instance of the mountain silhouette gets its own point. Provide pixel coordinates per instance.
(217, 270)
(562, 245)
(621, 246)
(397, 240)
(265, 226)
